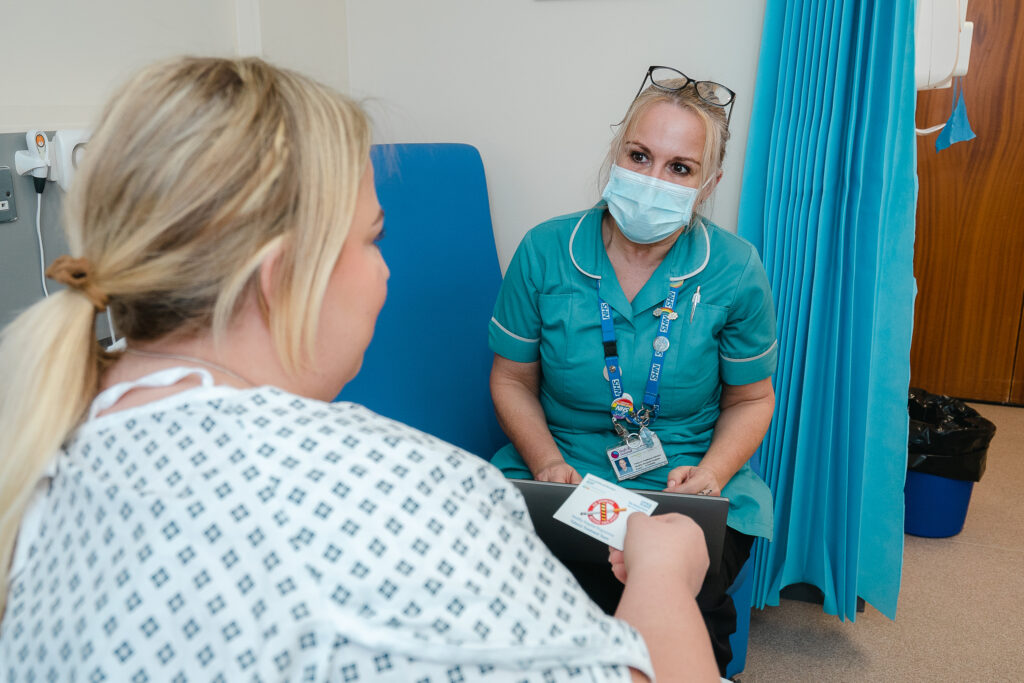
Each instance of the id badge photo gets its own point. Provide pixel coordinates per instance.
(636, 454)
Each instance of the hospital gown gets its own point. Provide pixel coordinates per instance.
(225, 534)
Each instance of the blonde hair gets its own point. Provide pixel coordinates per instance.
(198, 169)
(716, 126)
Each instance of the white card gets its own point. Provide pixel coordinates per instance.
(600, 508)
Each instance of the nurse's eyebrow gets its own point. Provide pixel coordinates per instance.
(646, 150)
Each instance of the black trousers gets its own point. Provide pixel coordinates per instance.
(715, 604)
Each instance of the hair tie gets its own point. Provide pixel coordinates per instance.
(76, 273)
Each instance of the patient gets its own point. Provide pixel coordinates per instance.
(193, 509)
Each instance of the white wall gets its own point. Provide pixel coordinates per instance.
(308, 36)
(63, 58)
(535, 84)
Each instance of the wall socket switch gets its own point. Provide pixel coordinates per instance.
(8, 209)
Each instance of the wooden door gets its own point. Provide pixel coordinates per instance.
(969, 253)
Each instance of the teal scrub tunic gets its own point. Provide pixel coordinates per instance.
(547, 310)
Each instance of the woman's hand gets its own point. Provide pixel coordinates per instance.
(515, 388)
(672, 544)
(746, 414)
(663, 565)
(699, 479)
(560, 472)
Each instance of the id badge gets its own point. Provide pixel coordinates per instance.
(635, 455)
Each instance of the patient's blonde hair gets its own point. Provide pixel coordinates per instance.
(198, 169)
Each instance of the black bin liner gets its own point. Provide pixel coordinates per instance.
(947, 437)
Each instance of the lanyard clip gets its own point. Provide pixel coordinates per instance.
(643, 416)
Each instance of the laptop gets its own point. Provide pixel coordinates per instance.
(570, 545)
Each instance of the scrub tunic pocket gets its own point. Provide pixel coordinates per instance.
(587, 392)
(693, 368)
(556, 322)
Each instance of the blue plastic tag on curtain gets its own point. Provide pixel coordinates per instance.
(957, 128)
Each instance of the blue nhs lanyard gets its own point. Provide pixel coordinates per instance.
(622, 408)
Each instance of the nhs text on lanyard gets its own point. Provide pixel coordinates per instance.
(639, 451)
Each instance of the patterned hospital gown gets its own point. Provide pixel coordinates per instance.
(229, 535)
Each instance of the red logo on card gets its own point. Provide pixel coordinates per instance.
(604, 511)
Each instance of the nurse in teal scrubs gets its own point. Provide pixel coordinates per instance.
(640, 323)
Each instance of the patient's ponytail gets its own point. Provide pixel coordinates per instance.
(49, 362)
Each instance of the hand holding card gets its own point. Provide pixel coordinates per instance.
(671, 543)
(600, 509)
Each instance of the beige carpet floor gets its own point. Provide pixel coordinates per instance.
(961, 607)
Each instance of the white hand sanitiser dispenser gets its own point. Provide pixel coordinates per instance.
(36, 159)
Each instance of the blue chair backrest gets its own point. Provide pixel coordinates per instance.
(429, 363)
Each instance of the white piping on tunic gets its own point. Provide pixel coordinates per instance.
(707, 254)
(745, 360)
(571, 238)
(702, 266)
(513, 334)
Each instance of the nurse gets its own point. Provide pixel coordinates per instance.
(638, 328)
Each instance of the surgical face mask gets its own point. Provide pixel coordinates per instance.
(647, 209)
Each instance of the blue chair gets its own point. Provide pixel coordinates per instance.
(742, 593)
(428, 364)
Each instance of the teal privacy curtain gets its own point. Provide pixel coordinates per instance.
(829, 196)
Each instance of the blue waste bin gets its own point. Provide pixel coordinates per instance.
(936, 506)
(947, 447)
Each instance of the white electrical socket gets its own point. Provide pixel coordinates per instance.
(66, 156)
(8, 208)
